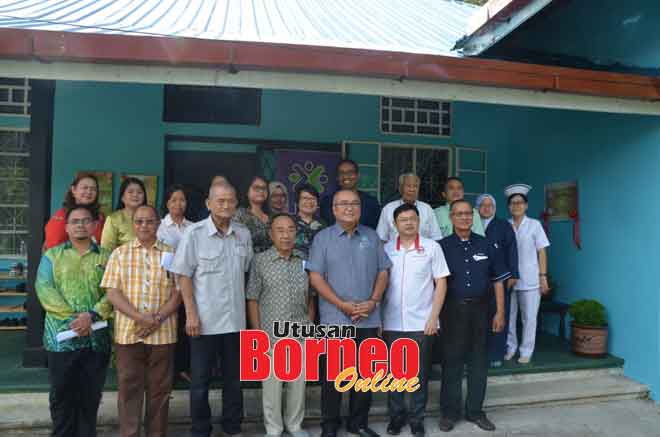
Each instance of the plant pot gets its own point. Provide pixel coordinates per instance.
(589, 341)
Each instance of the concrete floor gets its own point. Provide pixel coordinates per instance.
(629, 418)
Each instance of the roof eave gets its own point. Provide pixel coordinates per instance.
(233, 56)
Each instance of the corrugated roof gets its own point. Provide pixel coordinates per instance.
(413, 26)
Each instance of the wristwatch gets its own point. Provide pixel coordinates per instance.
(94, 315)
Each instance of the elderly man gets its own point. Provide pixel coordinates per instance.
(476, 269)
(349, 269)
(348, 178)
(411, 308)
(68, 287)
(409, 190)
(455, 190)
(278, 290)
(211, 262)
(146, 303)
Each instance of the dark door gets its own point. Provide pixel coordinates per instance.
(194, 170)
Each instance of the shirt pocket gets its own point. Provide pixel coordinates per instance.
(209, 262)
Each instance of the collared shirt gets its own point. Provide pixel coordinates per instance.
(137, 272)
(447, 228)
(67, 284)
(305, 233)
(501, 232)
(56, 229)
(409, 297)
(217, 263)
(350, 263)
(474, 265)
(170, 232)
(259, 230)
(428, 227)
(369, 210)
(280, 286)
(118, 230)
(530, 238)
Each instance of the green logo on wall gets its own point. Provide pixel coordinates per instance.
(308, 173)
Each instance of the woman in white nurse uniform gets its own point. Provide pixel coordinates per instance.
(533, 267)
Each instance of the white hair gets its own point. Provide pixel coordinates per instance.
(404, 176)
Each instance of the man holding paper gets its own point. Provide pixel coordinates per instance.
(146, 302)
(68, 287)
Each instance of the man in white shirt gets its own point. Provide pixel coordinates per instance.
(411, 307)
(409, 189)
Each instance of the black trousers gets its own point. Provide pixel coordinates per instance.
(76, 385)
(204, 351)
(359, 403)
(465, 332)
(182, 354)
(497, 340)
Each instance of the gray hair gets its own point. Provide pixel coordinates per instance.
(224, 186)
(404, 176)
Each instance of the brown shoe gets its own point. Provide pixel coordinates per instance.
(446, 424)
(482, 422)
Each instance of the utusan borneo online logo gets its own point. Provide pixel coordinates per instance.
(367, 366)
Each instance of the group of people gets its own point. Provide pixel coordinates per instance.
(178, 294)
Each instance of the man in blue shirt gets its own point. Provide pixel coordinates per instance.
(348, 176)
(475, 265)
(349, 270)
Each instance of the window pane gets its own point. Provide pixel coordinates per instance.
(433, 170)
(395, 161)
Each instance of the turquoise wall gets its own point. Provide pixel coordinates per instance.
(615, 159)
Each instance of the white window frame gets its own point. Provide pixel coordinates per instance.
(416, 100)
(25, 104)
(14, 232)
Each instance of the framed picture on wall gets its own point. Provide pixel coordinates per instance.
(150, 184)
(561, 200)
(105, 189)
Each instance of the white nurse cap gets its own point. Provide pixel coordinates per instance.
(517, 189)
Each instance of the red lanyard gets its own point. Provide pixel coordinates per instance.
(417, 246)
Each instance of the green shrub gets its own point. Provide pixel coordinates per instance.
(588, 312)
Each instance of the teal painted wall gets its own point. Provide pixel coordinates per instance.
(615, 160)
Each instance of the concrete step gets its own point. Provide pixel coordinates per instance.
(539, 389)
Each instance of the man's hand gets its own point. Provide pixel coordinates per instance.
(193, 324)
(147, 321)
(363, 309)
(431, 326)
(82, 324)
(348, 308)
(498, 322)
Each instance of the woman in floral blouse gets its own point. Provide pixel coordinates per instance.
(307, 225)
(254, 217)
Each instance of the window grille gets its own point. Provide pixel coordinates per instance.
(415, 117)
(14, 97)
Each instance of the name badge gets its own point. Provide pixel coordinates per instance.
(479, 257)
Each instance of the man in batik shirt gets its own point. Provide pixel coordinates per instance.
(68, 287)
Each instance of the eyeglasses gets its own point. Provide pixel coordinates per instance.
(85, 221)
(307, 199)
(150, 222)
(517, 202)
(355, 204)
(260, 188)
(462, 214)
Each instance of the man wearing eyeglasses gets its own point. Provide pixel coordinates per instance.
(68, 287)
(349, 269)
(146, 302)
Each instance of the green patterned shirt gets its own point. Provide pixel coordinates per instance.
(68, 284)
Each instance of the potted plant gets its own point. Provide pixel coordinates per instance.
(588, 328)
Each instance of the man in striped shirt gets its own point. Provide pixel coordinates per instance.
(146, 301)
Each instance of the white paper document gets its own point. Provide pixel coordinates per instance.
(68, 335)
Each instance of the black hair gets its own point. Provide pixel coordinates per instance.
(508, 201)
(455, 202)
(403, 208)
(168, 195)
(89, 208)
(151, 207)
(70, 201)
(348, 161)
(122, 189)
(266, 206)
(309, 189)
(453, 178)
(278, 215)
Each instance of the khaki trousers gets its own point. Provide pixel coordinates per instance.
(278, 418)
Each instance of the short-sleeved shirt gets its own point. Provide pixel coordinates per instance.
(137, 272)
(217, 263)
(350, 263)
(409, 297)
(117, 230)
(474, 264)
(69, 283)
(170, 232)
(530, 238)
(447, 228)
(259, 230)
(280, 286)
(305, 233)
(369, 210)
(428, 227)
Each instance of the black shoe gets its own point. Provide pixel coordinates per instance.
(446, 424)
(395, 425)
(329, 433)
(482, 422)
(363, 432)
(417, 429)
